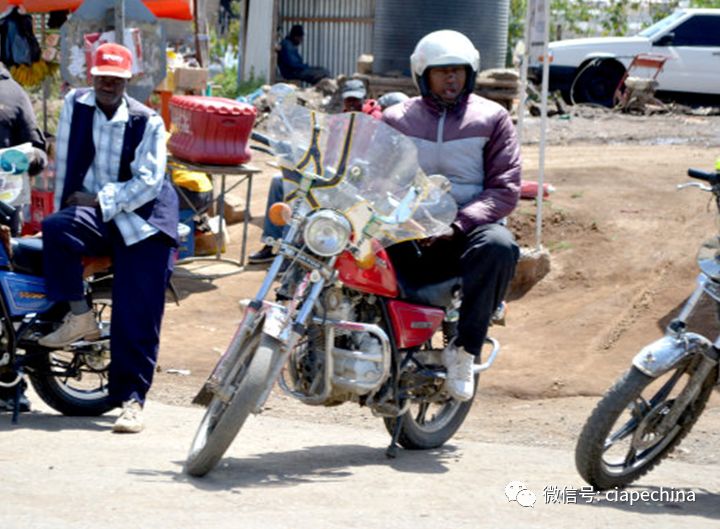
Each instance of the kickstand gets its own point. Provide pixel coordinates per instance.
(392, 450)
(174, 292)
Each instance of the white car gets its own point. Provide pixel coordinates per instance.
(589, 70)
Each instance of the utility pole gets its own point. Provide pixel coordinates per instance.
(120, 22)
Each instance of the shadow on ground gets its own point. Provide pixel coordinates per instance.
(308, 465)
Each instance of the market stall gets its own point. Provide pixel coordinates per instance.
(70, 45)
(175, 9)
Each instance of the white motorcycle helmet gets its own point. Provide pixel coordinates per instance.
(444, 48)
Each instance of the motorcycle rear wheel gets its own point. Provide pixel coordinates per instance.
(223, 420)
(629, 411)
(85, 395)
(427, 425)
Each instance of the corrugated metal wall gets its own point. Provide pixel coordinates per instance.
(336, 31)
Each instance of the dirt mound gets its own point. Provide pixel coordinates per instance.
(559, 225)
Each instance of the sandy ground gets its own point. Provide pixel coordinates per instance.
(622, 243)
(65, 473)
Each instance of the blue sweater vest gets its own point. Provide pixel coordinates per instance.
(162, 212)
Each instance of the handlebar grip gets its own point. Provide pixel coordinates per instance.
(260, 138)
(703, 175)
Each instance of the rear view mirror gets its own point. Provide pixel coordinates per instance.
(665, 40)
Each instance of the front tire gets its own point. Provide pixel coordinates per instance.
(618, 444)
(222, 421)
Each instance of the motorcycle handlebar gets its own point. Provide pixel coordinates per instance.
(711, 178)
(260, 138)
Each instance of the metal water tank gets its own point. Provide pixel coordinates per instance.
(400, 24)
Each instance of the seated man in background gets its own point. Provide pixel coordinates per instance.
(290, 62)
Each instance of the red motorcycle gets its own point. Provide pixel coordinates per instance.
(343, 327)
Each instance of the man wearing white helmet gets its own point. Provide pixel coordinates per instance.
(472, 142)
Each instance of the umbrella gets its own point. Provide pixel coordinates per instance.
(177, 9)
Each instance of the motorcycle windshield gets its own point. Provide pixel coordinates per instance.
(364, 168)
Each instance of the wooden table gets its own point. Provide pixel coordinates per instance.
(244, 173)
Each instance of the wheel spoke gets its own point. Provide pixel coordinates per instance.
(627, 429)
(666, 388)
(630, 458)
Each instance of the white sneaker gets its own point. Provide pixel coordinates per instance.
(73, 329)
(460, 383)
(131, 418)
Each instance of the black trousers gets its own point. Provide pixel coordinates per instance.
(485, 259)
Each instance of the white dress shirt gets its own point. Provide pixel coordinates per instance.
(118, 200)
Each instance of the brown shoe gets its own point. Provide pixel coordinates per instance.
(131, 418)
(74, 328)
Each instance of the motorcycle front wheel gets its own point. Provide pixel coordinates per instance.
(620, 443)
(223, 419)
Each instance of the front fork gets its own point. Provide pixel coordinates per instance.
(676, 346)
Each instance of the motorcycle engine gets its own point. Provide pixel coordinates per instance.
(352, 368)
(355, 366)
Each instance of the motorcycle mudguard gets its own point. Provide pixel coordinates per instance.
(662, 355)
(275, 321)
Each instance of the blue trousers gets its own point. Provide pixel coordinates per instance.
(141, 273)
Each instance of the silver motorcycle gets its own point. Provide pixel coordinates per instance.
(653, 406)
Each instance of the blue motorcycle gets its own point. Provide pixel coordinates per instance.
(73, 380)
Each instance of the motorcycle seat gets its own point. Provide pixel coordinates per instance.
(27, 255)
(443, 295)
(27, 258)
(440, 294)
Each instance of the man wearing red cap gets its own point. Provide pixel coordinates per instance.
(112, 198)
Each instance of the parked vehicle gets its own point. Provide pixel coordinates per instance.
(73, 381)
(344, 327)
(648, 411)
(589, 70)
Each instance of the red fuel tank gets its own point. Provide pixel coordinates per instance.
(210, 130)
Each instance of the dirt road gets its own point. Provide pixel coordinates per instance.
(62, 473)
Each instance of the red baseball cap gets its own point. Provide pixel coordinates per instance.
(112, 60)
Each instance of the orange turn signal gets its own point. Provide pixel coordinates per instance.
(280, 214)
(366, 262)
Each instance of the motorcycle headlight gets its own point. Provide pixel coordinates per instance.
(327, 233)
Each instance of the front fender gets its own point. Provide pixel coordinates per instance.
(662, 355)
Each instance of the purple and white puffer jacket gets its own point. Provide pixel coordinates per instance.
(474, 145)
